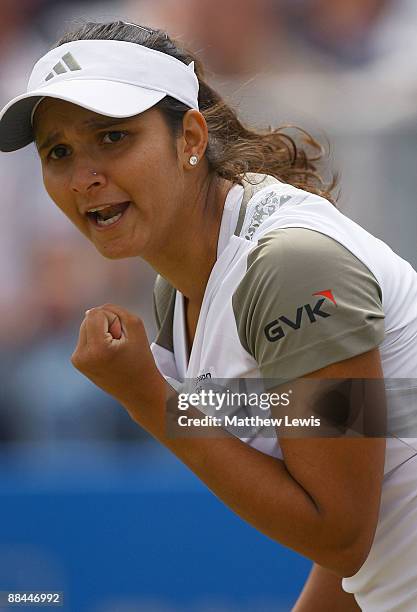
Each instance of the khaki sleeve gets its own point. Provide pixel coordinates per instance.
(306, 302)
(155, 310)
(163, 307)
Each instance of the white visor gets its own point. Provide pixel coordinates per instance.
(109, 77)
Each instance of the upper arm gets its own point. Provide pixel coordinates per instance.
(342, 475)
(307, 307)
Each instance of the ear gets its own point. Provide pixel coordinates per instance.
(194, 137)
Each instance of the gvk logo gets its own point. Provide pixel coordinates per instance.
(274, 330)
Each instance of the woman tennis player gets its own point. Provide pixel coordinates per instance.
(259, 275)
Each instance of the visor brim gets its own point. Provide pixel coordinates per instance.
(109, 98)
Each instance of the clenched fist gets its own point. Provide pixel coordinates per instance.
(113, 352)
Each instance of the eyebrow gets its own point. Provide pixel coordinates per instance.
(91, 124)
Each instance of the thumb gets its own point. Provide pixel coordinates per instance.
(99, 323)
(115, 328)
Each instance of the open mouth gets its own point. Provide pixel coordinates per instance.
(108, 215)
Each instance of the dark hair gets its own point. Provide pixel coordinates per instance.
(233, 149)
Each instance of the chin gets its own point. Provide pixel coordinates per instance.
(113, 256)
(109, 254)
(116, 253)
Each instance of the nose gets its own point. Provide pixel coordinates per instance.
(85, 178)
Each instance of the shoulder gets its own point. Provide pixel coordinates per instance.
(303, 293)
(264, 198)
(296, 256)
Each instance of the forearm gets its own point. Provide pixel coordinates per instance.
(256, 486)
(321, 501)
(323, 593)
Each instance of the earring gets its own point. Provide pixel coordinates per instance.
(193, 160)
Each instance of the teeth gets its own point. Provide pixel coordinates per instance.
(91, 210)
(99, 208)
(108, 221)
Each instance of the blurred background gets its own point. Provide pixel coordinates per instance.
(90, 504)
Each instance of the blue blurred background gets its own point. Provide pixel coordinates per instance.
(90, 505)
(126, 528)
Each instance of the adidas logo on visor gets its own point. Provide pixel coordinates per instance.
(68, 62)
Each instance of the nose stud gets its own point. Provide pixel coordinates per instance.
(93, 173)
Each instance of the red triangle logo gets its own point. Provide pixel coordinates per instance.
(327, 293)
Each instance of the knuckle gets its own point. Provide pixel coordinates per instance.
(75, 360)
(94, 309)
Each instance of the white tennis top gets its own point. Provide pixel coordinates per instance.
(298, 286)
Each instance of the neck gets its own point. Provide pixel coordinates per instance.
(191, 253)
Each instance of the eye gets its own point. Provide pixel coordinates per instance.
(58, 152)
(113, 137)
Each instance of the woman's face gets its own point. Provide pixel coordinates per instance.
(90, 161)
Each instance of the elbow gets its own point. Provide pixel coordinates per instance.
(347, 561)
(348, 565)
(347, 541)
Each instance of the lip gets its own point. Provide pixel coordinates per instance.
(104, 228)
(104, 204)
